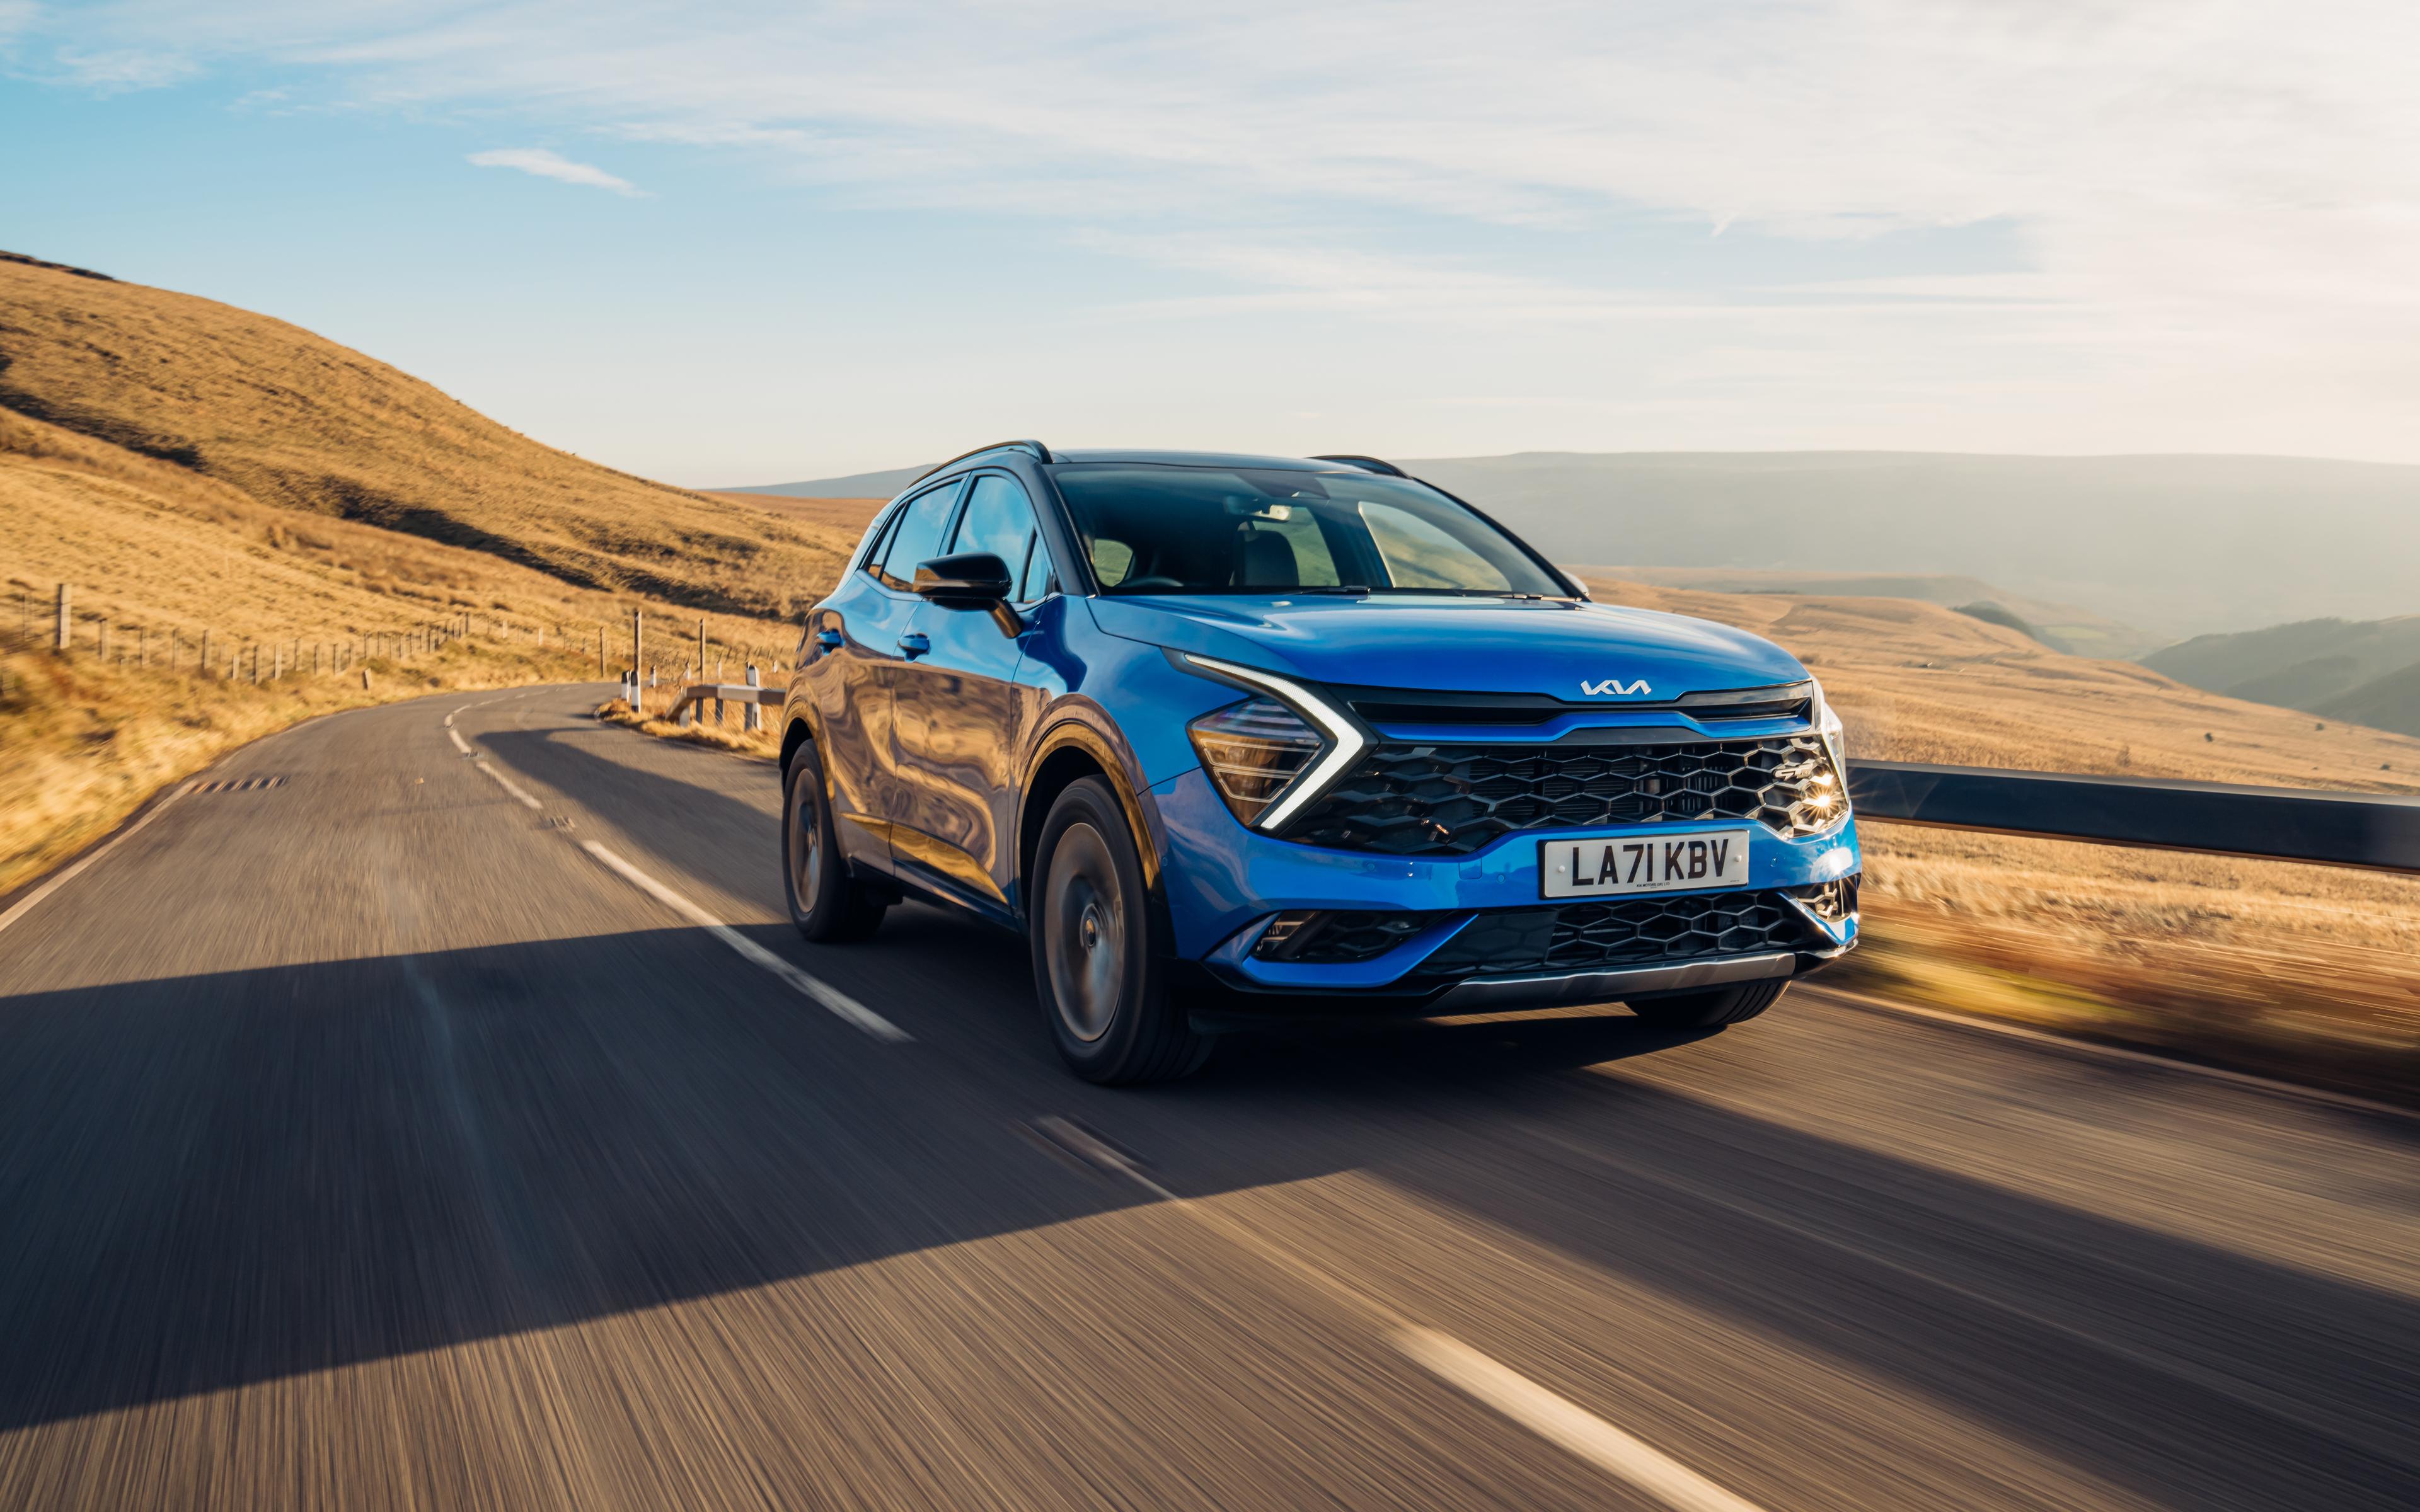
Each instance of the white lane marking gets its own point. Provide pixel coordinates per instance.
(456, 735)
(509, 786)
(1552, 1417)
(25, 904)
(829, 996)
(1566, 1423)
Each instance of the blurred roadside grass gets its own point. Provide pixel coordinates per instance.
(763, 743)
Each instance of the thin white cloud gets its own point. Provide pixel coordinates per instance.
(116, 69)
(548, 165)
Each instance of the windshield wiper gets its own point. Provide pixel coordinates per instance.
(1350, 588)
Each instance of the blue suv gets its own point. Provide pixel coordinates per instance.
(1238, 740)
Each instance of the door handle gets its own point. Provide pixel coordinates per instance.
(914, 644)
(828, 639)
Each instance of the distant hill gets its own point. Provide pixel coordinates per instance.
(2177, 545)
(855, 486)
(300, 424)
(2061, 627)
(2388, 702)
(2365, 671)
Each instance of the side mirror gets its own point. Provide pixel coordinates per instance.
(971, 580)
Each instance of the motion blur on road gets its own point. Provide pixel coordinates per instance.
(457, 1122)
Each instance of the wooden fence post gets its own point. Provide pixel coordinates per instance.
(66, 624)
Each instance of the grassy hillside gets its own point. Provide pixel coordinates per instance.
(158, 555)
(201, 476)
(296, 423)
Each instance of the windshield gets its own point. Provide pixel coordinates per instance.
(1151, 528)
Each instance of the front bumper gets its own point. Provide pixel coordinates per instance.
(1226, 885)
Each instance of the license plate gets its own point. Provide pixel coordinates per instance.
(1602, 866)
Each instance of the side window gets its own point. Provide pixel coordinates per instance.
(916, 537)
(1037, 572)
(998, 519)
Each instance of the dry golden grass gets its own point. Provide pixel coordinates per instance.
(291, 421)
(2264, 965)
(165, 539)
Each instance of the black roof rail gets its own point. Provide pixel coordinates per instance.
(1367, 464)
(1035, 449)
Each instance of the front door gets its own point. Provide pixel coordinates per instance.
(875, 624)
(961, 718)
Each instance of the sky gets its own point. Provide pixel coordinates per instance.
(743, 243)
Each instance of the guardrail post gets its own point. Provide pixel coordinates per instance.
(751, 717)
(688, 713)
(637, 659)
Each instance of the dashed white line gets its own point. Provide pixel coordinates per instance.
(509, 786)
(25, 904)
(829, 996)
(1560, 1421)
(1551, 1417)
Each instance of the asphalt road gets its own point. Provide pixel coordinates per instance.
(377, 1138)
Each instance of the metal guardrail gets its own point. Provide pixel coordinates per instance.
(690, 702)
(2376, 831)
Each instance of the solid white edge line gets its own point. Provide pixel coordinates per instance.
(1560, 1421)
(24, 905)
(829, 996)
(509, 786)
(456, 735)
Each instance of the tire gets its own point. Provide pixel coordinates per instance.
(828, 906)
(1099, 951)
(1712, 1008)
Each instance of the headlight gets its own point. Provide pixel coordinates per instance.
(1827, 725)
(1251, 751)
(1270, 756)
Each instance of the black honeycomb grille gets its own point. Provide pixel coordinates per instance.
(1452, 799)
(1648, 931)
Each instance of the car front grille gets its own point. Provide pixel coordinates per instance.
(1426, 799)
(1645, 930)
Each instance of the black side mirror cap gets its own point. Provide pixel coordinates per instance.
(970, 579)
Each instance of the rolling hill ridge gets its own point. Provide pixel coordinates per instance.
(298, 422)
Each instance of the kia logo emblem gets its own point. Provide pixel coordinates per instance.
(1614, 684)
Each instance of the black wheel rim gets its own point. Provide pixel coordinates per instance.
(1084, 934)
(806, 840)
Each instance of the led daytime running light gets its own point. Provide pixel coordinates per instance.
(1346, 741)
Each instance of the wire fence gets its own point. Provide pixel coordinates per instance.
(57, 623)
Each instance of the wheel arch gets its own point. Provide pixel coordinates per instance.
(1069, 753)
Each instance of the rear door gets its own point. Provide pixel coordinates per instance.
(861, 736)
(961, 716)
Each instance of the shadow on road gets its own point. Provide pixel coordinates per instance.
(216, 1180)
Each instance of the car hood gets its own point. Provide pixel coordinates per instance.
(1473, 645)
